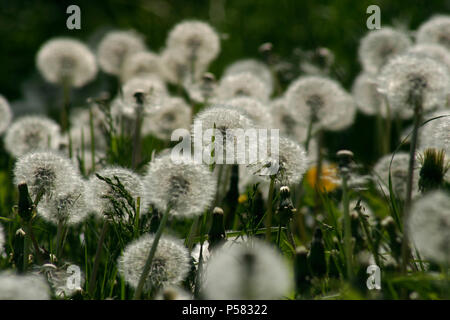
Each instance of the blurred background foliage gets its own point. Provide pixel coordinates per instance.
(243, 24)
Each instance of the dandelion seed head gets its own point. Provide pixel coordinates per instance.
(436, 133)
(254, 67)
(252, 270)
(435, 30)
(243, 84)
(187, 188)
(68, 206)
(140, 64)
(408, 76)
(379, 46)
(102, 195)
(195, 42)
(367, 97)
(322, 101)
(115, 48)
(60, 278)
(429, 226)
(174, 114)
(32, 133)
(170, 264)
(153, 90)
(46, 172)
(23, 287)
(65, 60)
(5, 114)
(432, 50)
(258, 112)
(175, 71)
(286, 121)
(399, 174)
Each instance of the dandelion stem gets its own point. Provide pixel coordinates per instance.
(66, 107)
(318, 171)
(98, 253)
(347, 228)
(151, 255)
(269, 209)
(309, 134)
(91, 127)
(136, 155)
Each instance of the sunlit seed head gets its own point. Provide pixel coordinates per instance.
(252, 270)
(258, 112)
(379, 46)
(243, 84)
(5, 114)
(407, 78)
(196, 43)
(141, 64)
(322, 101)
(23, 287)
(115, 48)
(66, 61)
(62, 279)
(169, 267)
(174, 114)
(254, 67)
(68, 206)
(399, 174)
(367, 97)
(429, 226)
(45, 173)
(432, 50)
(32, 133)
(186, 188)
(436, 133)
(435, 30)
(175, 71)
(101, 195)
(286, 121)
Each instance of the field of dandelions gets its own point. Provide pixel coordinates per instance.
(94, 207)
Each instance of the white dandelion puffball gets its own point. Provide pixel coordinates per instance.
(80, 127)
(368, 100)
(101, 194)
(153, 90)
(290, 161)
(187, 188)
(322, 101)
(286, 121)
(174, 114)
(429, 226)
(5, 114)
(68, 206)
(432, 50)
(248, 271)
(243, 84)
(23, 287)
(115, 48)
(436, 133)
(399, 175)
(66, 61)
(175, 71)
(254, 67)
(195, 42)
(32, 133)
(46, 172)
(379, 46)
(409, 75)
(258, 112)
(170, 264)
(66, 280)
(140, 64)
(435, 30)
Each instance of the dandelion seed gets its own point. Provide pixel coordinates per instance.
(435, 30)
(409, 75)
(23, 287)
(115, 48)
(140, 64)
(45, 173)
(399, 174)
(367, 97)
(254, 109)
(254, 67)
(66, 61)
(196, 43)
(102, 196)
(243, 84)
(32, 133)
(174, 114)
(429, 226)
(67, 206)
(435, 134)
(187, 188)
(253, 270)
(5, 114)
(322, 101)
(169, 267)
(434, 51)
(379, 46)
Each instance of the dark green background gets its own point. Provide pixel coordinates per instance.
(245, 24)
